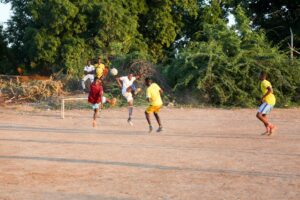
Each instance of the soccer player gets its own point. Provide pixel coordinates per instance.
(89, 71)
(95, 97)
(153, 95)
(128, 88)
(268, 101)
(99, 69)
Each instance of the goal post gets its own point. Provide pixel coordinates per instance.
(69, 99)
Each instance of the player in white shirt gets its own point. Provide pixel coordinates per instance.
(128, 89)
(89, 71)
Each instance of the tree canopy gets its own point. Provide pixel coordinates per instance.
(199, 53)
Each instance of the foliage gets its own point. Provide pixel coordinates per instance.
(63, 34)
(5, 55)
(225, 71)
(275, 17)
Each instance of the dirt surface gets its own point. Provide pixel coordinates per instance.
(202, 154)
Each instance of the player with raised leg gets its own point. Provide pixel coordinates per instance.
(95, 97)
(153, 95)
(128, 90)
(268, 101)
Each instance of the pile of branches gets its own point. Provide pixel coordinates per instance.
(31, 91)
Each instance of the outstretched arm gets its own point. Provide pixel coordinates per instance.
(119, 82)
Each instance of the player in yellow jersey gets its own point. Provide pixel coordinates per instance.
(153, 95)
(268, 101)
(99, 69)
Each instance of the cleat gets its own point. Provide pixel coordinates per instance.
(159, 129)
(137, 91)
(150, 129)
(130, 122)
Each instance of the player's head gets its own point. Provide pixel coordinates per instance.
(97, 80)
(89, 62)
(148, 81)
(130, 76)
(99, 60)
(262, 76)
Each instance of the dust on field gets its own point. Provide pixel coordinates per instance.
(202, 154)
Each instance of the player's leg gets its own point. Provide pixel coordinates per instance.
(135, 90)
(130, 112)
(267, 127)
(96, 111)
(271, 126)
(129, 99)
(263, 110)
(156, 111)
(83, 80)
(147, 115)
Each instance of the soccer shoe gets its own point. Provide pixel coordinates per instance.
(159, 129)
(150, 129)
(137, 91)
(130, 121)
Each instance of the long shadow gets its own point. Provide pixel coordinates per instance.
(66, 130)
(157, 167)
(148, 146)
(137, 133)
(123, 132)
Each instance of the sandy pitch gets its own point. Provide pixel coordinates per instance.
(202, 154)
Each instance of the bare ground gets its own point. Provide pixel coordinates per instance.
(202, 154)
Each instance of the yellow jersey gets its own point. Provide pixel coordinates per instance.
(99, 69)
(153, 93)
(270, 99)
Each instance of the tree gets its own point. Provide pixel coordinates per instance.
(6, 66)
(276, 18)
(220, 65)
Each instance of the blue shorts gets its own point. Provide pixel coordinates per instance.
(95, 106)
(133, 88)
(265, 108)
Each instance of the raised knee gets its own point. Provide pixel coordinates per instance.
(258, 115)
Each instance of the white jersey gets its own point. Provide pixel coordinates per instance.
(89, 68)
(126, 83)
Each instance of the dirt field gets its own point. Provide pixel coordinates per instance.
(202, 154)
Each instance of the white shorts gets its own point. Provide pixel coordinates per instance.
(265, 108)
(95, 106)
(103, 99)
(88, 76)
(128, 96)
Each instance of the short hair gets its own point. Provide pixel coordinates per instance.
(263, 73)
(148, 79)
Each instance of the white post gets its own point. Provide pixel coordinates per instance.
(62, 108)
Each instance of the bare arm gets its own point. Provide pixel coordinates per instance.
(270, 90)
(119, 82)
(161, 92)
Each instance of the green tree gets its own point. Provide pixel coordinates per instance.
(6, 66)
(275, 17)
(220, 65)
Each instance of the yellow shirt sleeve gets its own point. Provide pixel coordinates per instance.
(266, 84)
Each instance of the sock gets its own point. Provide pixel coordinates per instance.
(130, 110)
(83, 85)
